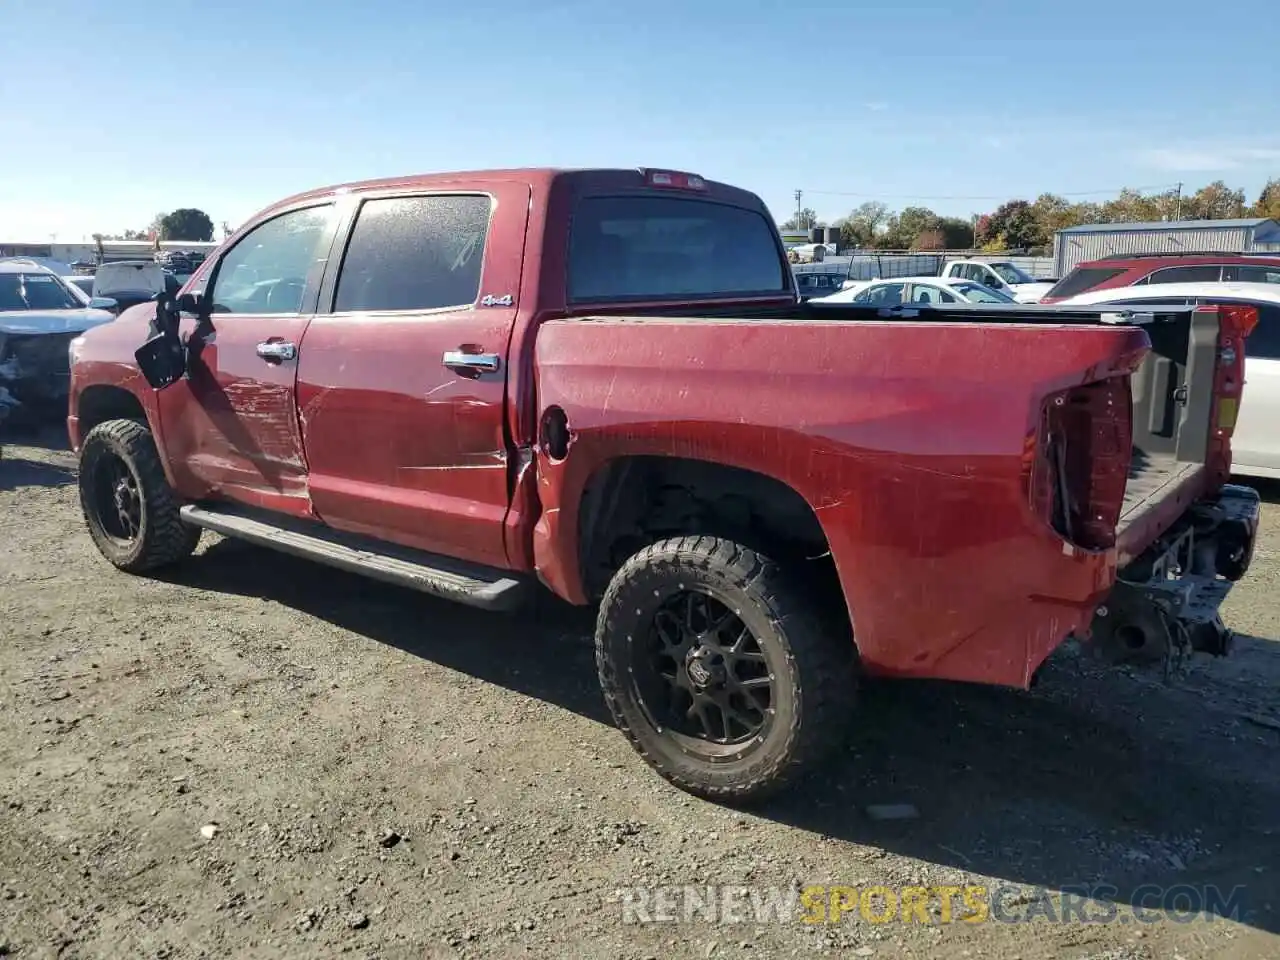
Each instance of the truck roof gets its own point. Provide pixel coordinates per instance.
(536, 177)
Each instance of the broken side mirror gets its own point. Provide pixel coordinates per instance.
(162, 359)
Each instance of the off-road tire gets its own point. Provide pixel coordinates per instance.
(163, 538)
(814, 688)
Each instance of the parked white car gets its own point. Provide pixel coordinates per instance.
(923, 290)
(1002, 275)
(1255, 446)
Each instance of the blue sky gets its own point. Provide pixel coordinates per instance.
(116, 111)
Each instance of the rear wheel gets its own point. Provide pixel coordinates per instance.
(128, 505)
(716, 670)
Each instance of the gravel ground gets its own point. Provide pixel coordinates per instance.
(259, 757)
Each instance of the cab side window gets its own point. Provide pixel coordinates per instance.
(270, 267)
(1252, 274)
(1198, 274)
(414, 253)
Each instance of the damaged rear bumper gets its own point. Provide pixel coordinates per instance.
(1165, 604)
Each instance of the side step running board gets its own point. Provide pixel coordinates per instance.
(457, 580)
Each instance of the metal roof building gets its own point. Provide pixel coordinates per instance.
(1093, 241)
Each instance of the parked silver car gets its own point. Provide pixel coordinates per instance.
(40, 313)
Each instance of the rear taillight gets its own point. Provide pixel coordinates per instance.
(1235, 323)
(1077, 461)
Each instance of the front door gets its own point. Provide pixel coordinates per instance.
(402, 378)
(231, 425)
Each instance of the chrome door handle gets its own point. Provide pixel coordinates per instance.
(276, 351)
(472, 362)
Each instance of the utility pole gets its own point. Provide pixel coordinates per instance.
(799, 194)
(1178, 196)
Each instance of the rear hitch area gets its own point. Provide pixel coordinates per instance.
(1165, 604)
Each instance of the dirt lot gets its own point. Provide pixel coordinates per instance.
(206, 765)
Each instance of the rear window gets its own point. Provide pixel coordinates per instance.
(663, 248)
(1083, 279)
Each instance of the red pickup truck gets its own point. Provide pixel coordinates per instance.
(603, 382)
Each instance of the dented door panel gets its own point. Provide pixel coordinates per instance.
(231, 426)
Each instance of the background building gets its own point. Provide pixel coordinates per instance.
(88, 250)
(1093, 241)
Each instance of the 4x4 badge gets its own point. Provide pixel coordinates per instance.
(490, 300)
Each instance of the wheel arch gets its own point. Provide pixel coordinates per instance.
(629, 501)
(654, 497)
(99, 403)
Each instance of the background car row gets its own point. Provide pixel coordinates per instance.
(1136, 281)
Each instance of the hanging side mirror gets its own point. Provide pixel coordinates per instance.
(162, 358)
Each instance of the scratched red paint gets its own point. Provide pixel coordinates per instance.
(906, 439)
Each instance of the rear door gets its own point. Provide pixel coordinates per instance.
(402, 377)
(231, 425)
(1255, 445)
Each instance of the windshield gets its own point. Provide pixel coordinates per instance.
(662, 248)
(1011, 274)
(977, 293)
(35, 291)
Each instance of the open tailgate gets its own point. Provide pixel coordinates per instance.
(1185, 398)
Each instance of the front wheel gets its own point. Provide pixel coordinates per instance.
(128, 505)
(717, 671)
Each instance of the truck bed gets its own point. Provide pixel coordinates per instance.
(1150, 476)
(1172, 396)
(1153, 479)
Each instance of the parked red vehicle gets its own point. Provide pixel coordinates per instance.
(1128, 270)
(602, 382)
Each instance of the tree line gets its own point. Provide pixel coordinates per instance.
(1030, 226)
(185, 224)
